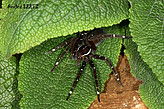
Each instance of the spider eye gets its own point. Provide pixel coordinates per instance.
(83, 33)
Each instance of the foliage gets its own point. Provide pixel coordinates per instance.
(36, 31)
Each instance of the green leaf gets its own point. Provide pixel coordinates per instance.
(147, 29)
(22, 29)
(9, 94)
(44, 89)
(151, 90)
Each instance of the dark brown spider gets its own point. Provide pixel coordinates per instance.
(82, 48)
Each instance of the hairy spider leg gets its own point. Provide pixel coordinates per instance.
(77, 79)
(78, 60)
(73, 48)
(117, 36)
(61, 56)
(95, 75)
(92, 45)
(110, 64)
(61, 45)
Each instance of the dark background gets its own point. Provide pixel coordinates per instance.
(0, 3)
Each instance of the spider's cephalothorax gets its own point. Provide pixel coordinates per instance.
(82, 48)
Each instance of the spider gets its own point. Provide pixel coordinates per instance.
(82, 48)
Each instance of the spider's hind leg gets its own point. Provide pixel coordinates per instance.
(77, 79)
(110, 64)
(95, 75)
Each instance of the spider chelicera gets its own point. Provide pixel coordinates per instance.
(82, 48)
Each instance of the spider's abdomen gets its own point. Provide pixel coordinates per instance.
(96, 36)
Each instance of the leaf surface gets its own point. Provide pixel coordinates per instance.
(8, 86)
(151, 90)
(147, 29)
(22, 29)
(44, 89)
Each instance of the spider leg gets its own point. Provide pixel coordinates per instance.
(62, 56)
(110, 64)
(78, 60)
(94, 70)
(92, 45)
(117, 36)
(61, 45)
(77, 79)
(73, 48)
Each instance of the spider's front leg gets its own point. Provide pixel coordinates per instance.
(110, 64)
(95, 75)
(62, 55)
(77, 79)
(65, 43)
(61, 45)
(73, 53)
